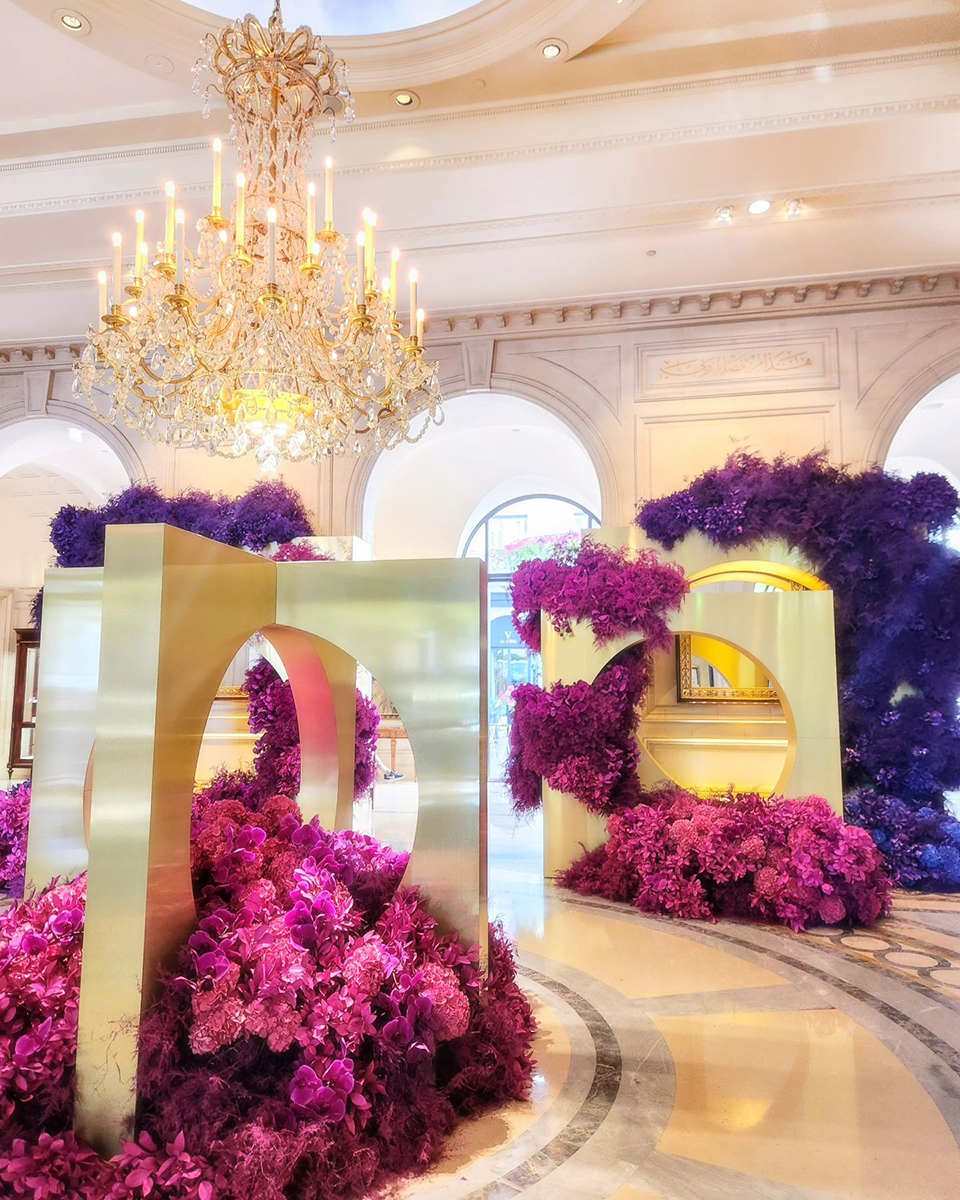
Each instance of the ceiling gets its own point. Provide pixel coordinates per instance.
(516, 179)
(356, 17)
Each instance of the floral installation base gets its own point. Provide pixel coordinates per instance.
(793, 862)
(317, 1039)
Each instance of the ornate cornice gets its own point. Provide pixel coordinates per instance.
(597, 97)
(920, 288)
(750, 301)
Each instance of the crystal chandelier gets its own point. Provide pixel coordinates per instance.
(267, 335)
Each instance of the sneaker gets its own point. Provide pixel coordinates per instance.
(392, 775)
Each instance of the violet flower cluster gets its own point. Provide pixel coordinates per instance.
(616, 591)
(273, 715)
(874, 539)
(268, 512)
(318, 1038)
(581, 737)
(794, 862)
(14, 818)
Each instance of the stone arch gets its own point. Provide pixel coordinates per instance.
(29, 430)
(904, 383)
(584, 430)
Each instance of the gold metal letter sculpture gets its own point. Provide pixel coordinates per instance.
(176, 608)
(791, 633)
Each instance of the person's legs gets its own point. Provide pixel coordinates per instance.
(384, 774)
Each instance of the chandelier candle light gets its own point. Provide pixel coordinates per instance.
(263, 336)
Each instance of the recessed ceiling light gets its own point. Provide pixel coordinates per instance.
(756, 207)
(551, 50)
(724, 215)
(793, 209)
(651, 254)
(72, 21)
(405, 98)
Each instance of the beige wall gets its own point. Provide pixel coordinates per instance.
(655, 390)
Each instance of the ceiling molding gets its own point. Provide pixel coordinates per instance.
(712, 82)
(749, 301)
(668, 136)
(860, 197)
(913, 288)
(485, 32)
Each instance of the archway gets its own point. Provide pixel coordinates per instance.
(928, 439)
(45, 463)
(421, 500)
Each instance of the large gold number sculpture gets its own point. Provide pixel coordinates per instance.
(791, 633)
(175, 610)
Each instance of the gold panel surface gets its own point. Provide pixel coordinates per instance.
(420, 628)
(67, 704)
(323, 681)
(790, 634)
(174, 611)
(169, 632)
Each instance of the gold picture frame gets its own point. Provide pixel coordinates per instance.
(689, 688)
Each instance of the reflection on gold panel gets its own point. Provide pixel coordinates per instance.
(809, 1099)
(708, 669)
(67, 711)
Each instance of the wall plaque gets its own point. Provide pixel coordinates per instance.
(738, 366)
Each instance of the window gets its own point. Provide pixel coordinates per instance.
(528, 527)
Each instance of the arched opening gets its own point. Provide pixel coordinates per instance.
(44, 465)
(928, 439)
(516, 530)
(424, 500)
(714, 717)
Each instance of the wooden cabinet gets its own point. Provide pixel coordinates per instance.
(24, 700)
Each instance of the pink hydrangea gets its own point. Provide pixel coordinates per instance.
(366, 967)
(451, 1008)
(790, 861)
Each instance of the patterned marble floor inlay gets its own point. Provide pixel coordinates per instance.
(687, 1061)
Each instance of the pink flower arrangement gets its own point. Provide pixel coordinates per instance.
(616, 591)
(14, 818)
(793, 862)
(318, 1038)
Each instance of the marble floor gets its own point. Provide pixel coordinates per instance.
(679, 1060)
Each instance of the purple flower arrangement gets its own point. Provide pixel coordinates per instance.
(317, 1038)
(616, 591)
(793, 862)
(873, 538)
(273, 714)
(580, 737)
(268, 512)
